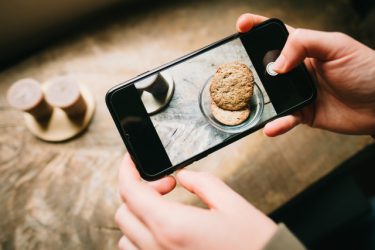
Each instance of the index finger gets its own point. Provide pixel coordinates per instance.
(247, 21)
(137, 194)
(143, 201)
(162, 186)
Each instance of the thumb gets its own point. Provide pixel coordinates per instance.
(303, 43)
(281, 125)
(210, 189)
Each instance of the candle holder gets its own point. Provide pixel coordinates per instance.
(55, 111)
(27, 95)
(156, 91)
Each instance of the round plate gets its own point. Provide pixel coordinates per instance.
(59, 127)
(256, 105)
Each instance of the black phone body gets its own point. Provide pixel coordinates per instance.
(181, 133)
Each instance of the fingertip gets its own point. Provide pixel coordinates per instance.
(171, 183)
(269, 130)
(125, 244)
(266, 131)
(279, 65)
(170, 179)
(247, 21)
(281, 125)
(164, 185)
(244, 23)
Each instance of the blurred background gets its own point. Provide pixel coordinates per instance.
(26, 26)
(64, 195)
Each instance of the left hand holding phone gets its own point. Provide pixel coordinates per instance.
(150, 222)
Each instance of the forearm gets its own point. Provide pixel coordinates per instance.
(283, 239)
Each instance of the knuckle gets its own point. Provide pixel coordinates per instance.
(118, 216)
(296, 35)
(170, 235)
(121, 243)
(123, 194)
(340, 36)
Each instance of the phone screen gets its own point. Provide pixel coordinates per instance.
(188, 126)
(197, 119)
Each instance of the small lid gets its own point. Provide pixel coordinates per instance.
(25, 94)
(146, 83)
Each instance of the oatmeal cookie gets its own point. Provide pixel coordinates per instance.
(232, 86)
(228, 117)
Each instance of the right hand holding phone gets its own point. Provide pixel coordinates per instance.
(344, 71)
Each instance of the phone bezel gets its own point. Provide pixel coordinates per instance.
(146, 74)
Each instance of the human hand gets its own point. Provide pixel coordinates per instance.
(344, 72)
(150, 222)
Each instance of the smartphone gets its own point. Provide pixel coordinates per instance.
(177, 128)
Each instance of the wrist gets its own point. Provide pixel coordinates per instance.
(283, 239)
(266, 230)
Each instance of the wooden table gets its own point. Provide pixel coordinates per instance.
(64, 195)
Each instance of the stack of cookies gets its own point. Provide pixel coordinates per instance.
(231, 89)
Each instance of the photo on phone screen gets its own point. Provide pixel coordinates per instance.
(216, 95)
(187, 126)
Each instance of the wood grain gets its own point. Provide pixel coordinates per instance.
(63, 196)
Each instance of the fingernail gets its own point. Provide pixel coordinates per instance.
(279, 64)
(244, 23)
